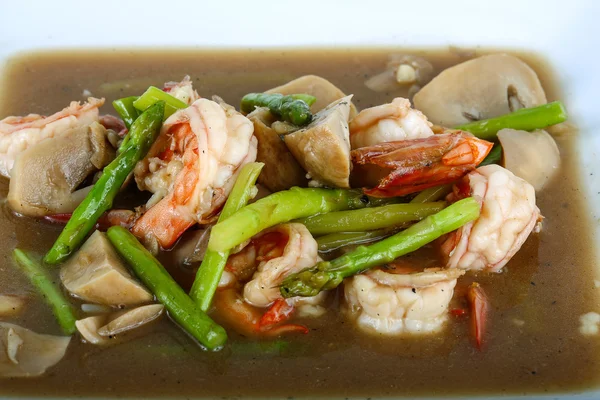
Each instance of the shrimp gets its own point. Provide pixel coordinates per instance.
(508, 215)
(396, 302)
(183, 90)
(388, 123)
(480, 308)
(191, 169)
(418, 164)
(19, 133)
(269, 258)
(299, 252)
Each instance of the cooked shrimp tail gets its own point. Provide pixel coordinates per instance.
(248, 320)
(280, 311)
(418, 164)
(480, 306)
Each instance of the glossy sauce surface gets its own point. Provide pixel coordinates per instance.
(533, 343)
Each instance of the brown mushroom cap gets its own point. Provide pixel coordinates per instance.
(481, 88)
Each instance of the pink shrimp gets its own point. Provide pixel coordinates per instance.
(508, 215)
(418, 164)
(387, 123)
(19, 133)
(480, 308)
(259, 268)
(191, 169)
(183, 90)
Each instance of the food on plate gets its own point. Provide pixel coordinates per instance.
(242, 228)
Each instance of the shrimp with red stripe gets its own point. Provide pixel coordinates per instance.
(248, 297)
(191, 168)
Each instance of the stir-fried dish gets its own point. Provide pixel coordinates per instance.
(392, 223)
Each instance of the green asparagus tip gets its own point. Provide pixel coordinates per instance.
(527, 119)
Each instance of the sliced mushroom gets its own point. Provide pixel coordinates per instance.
(88, 328)
(45, 177)
(323, 147)
(281, 170)
(132, 319)
(26, 353)
(481, 88)
(11, 305)
(402, 70)
(325, 91)
(533, 156)
(13, 345)
(97, 274)
(90, 308)
(191, 247)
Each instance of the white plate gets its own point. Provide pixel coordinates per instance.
(567, 33)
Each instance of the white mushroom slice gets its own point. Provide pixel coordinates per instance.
(392, 304)
(13, 344)
(26, 353)
(323, 147)
(481, 88)
(532, 156)
(132, 319)
(97, 274)
(88, 328)
(324, 91)
(95, 308)
(11, 305)
(406, 71)
(281, 170)
(20, 133)
(45, 177)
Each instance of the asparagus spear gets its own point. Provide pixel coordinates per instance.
(307, 98)
(282, 207)
(289, 108)
(432, 194)
(335, 241)
(126, 110)
(329, 274)
(369, 218)
(213, 264)
(494, 156)
(62, 309)
(154, 94)
(527, 119)
(180, 306)
(143, 132)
